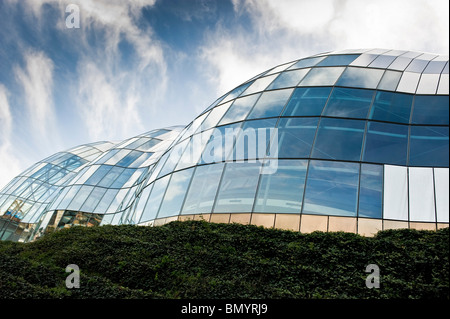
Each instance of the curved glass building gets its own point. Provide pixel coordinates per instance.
(356, 141)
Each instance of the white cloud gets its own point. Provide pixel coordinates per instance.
(36, 79)
(9, 163)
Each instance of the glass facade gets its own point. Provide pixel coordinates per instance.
(353, 140)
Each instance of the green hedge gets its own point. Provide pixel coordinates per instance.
(196, 259)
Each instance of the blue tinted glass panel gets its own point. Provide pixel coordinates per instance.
(239, 110)
(322, 76)
(307, 102)
(429, 146)
(339, 139)
(282, 191)
(123, 178)
(238, 187)
(98, 175)
(175, 193)
(253, 140)
(349, 103)
(386, 143)
(288, 79)
(336, 60)
(371, 191)
(111, 176)
(360, 78)
(391, 107)
(270, 104)
(430, 109)
(296, 136)
(203, 189)
(331, 188)
(128, 159)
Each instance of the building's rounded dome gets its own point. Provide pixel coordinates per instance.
(355, 140)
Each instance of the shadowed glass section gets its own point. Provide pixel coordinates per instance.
(296, 136)
(371, 191)
(336, 60)
(429, 145)
(307, 102)
(331, 188)
(429, 109)
(391, 107)
(339, 139)
(386, 143)
(282, 191)
(353, 103)
(360, 78)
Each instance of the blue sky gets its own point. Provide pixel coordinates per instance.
(134, 66)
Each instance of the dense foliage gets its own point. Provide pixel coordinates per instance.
(196, 259)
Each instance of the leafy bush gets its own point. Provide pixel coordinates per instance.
(196, 259)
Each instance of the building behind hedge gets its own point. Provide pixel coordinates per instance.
(356, 141)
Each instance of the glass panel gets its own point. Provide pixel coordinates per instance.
(282, 191)
(371, 191)
(331, 188)
(339, 139)
(417, 65)
(383, 61)
(307, 102)
(176, 191)
(103, 205)
(288, 79)
(270, 104)
(360, 78)
(260, 84)
(94, 198)
(429, 109)
(252, 141)
(279, 68)
(306, 63)
(129, 158)
(443, 84)
(174, 156)
(106, 156)
(435, 67)
(429, 146)
(239, 109)
(408, 82)
(296, 136)
(390, 80)
(220, 143)
(421, 195)
(203, 189)
(345, 102)
(364, 59)
(154, 200)
(214, 116)
(336, 60)
(428, 84)
(80, 197)
(395, 200)
(391, 107)
(441, 185)
(236, 92)
(238, 187)
(123, 178)
(111, 176)
(386, 143)
(322, 76)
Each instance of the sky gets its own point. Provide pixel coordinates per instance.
(80, 71)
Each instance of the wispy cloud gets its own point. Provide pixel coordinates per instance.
(36, 79)
(9, 163)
